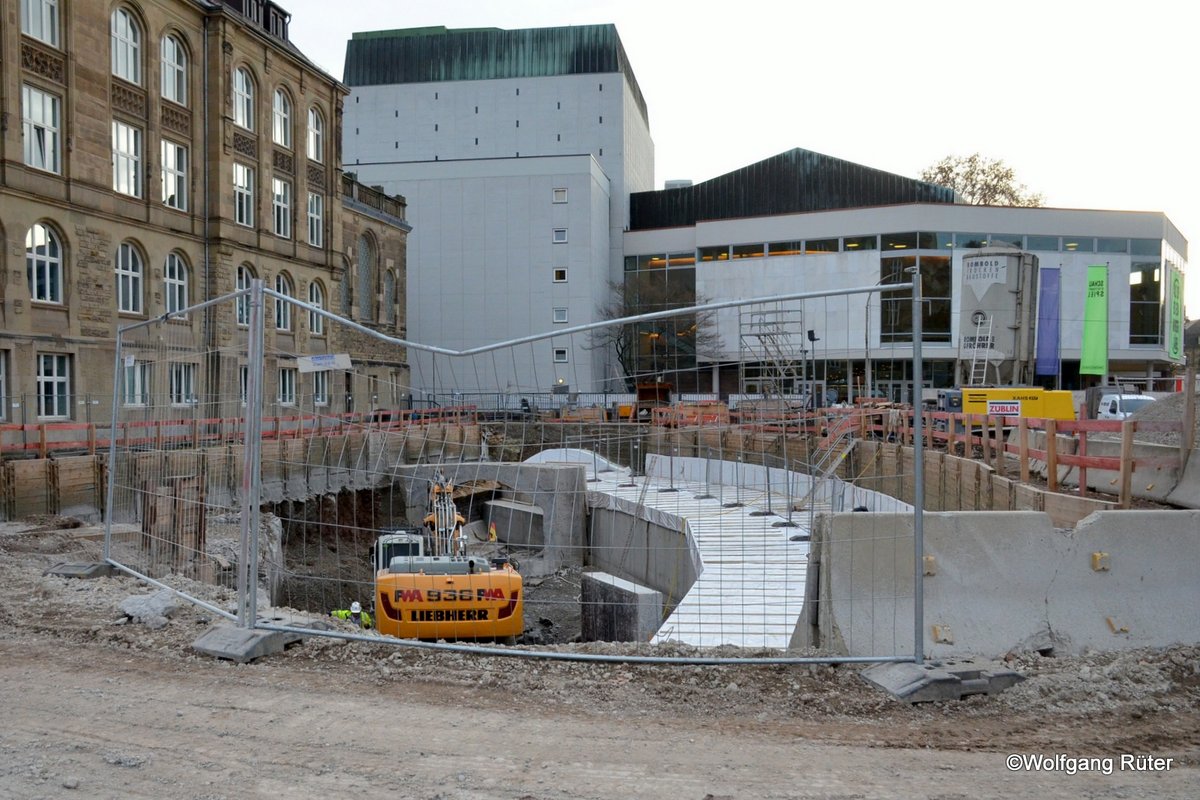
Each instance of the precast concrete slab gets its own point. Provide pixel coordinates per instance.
(617, 610)
(951, 679)
(749, 587)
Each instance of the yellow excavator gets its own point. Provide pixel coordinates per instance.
(444, 592)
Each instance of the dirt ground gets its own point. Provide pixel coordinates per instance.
(100, 705)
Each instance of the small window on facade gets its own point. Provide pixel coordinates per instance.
(283, 308)
(129, 279)
(1078, 244)
(127, 159)
(855, 243)
(560, 274)
(560, 235)
(1048, 243)
(244, 276)
(126, 44)
(174, 175)
(316, 219)
(175, 283)
(316, 297)
(182, 379)
(749, 251)
(174, 70)
(39, 19)
(281, 119)
(287, 386)
(320, 395)
(243, 99)
(53, 386)
(560, 355)
(243, 195)
(785, 248)
(720, 253)
(316, 135)
(44, 264)
(41, 127)
(821, 246)
(560, 315)
(1105, 245)
(281, 207)
(560, 195)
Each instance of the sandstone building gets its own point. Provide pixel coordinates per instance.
(159, 153)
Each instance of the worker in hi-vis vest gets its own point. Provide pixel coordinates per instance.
(355, 614)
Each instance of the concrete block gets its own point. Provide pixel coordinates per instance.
(941, 680)
(226, 640)
(617, 610)
(94, 569)
(152, 610)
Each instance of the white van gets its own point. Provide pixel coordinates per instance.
(1121, 406)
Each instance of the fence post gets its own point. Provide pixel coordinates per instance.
(251, 480)
(1127, 427)
(1052, 455)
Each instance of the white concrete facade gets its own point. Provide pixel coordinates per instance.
(480, 161)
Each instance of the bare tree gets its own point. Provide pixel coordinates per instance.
(660, 347)
(982, 181)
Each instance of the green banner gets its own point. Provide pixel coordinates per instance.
(1175, 317)
(1093, 357)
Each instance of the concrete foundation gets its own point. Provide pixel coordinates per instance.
(616, 610)
(998, 582)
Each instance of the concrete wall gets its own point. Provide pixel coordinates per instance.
(632, 546)
(953, 483)
(616, 610)
(1153, 483)
(999, 582)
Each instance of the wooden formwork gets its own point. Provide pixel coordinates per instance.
(173, 525)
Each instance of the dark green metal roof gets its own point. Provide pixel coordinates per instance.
(791, 182)
(427, 55)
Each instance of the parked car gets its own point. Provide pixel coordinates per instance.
(1121, 406)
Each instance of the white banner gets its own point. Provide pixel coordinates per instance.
(326, 361)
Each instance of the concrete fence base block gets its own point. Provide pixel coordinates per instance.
(941, 680)
(226, 640)
(90, 569)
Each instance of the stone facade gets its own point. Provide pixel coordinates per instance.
(65, 176)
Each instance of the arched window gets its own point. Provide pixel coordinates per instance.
(283, 309)
(245, 274)
(44, 264)
(243, 99)
(316, 134)
(126, 46)
(175, 283)
(316, 297)
(174, 70)
(129, 279)
(387, 314)
(366, 278)
(281, 119)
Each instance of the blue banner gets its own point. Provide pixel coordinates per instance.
(1047, 361)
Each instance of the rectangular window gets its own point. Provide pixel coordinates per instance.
(749, 250)
(854, 243)
(54, 386)
(1145, 303)
(1047, 243)
(560, 355)
(316, 219)
(1078, 244)
(560, 235)
(183, 384)
(715, 253)
(39, 19)
(560, 274)
(896, 306)
(41, 115)
(560, 315)
(243, 383)
(136, 383)
(287, 386)
(1105, 245)
(795, 248)
(560, 195)
(174, 175)
(243, 195)
(320, 396)
(968, 241)
(127, 159)
(817, 246)
(281, 206)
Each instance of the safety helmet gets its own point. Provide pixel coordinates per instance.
(355, 608)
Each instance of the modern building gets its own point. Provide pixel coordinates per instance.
(517, 150)
(805, 222)
(158, 153)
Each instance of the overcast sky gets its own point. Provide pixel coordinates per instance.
(1089, 101)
